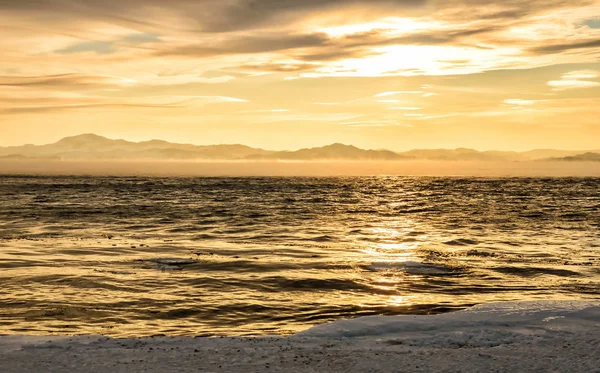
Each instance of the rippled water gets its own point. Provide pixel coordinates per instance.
(198, 256)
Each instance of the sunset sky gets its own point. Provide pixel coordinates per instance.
(287, 74)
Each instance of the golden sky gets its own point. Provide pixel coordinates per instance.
(287, 74)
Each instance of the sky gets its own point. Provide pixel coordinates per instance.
(289, 74)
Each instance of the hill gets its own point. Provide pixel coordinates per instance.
(333, 152)
(586, 157)
(94, 147)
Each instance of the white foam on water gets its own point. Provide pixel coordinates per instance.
(410, 267)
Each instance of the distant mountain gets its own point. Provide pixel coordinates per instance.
(94, 147)
(333, 152)
(90, 146)
(585, 157)
(13, 156)
(551, 153)
(463, 154)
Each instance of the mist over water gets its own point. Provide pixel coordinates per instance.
(301, 168)
(132, 256)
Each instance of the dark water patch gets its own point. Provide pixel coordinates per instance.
(205, 236)
(534, 215)
(366, 211)
(172, 261)
(322, 238)
(137, 227)
(265, 267)
(320, 284)
(480, 253)
(413, 210)
(469, 290)
(590, 289)
(114, 272)
(432, 254)
(21, 263)
(535, 271)
(461, 242)
(64, 312)
(511, 243)
(95, 282)
(84, 251)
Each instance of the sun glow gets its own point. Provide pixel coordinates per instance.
(413, 60)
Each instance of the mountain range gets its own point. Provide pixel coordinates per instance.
(94, 147)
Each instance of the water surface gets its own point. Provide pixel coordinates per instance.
(248, 256)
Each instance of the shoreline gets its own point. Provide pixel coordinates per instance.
(509, 336)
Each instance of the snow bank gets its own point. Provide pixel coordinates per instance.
(485, 325)
(545, 336)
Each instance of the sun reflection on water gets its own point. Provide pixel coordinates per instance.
(395, 245)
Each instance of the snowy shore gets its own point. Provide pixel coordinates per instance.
(506, 337)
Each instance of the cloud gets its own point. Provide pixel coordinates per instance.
(94, 46)
(574, 80)
(168, 80)
(583, 74)
(223, 15)
(374, 123)
(54, 103)
(281, 67)
(133, 40)
(220, 98)
(335, 53)
(153, 45)
(57, 108)
(265, 111)
(560, 85)
(565, 47)
(394, 93)
(320, 37)
(519, 102)
(66, 81)
(71, 82)
(406, 108)
(250, 44)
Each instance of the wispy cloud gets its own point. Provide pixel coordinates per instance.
(583, 74)
(394, 93)
(406, 108)
(574, 80)
(375, 123)
(565, 47)
(519, 102)
(571, 84)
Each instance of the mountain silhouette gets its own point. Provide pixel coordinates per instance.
(585, 157)
(95, 147)
(333, 152)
